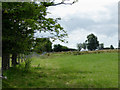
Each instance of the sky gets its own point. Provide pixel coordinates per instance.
(99, 17)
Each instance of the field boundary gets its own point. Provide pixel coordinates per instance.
(86, 52)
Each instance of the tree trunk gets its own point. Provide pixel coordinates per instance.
(14, 59)
(5, 61)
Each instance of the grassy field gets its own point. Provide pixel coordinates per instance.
(67, 71)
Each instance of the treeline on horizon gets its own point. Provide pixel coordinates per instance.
(45, 45)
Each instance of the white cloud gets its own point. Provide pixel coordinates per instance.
(80, 35)
(109, 40)
(88, 16)
(84, 8)
(77, 36)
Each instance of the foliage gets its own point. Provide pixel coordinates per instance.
(111, 47)
(27, 64)
(92, 42)
(58, 48)
(20, 20)
(14, 29)
(101, 46)
(79, 46)
(84, 45)
(43, 45)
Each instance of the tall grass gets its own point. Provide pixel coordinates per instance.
(67, 71)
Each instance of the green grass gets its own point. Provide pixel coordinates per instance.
(67, 71)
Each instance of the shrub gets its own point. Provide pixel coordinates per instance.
(27, 64)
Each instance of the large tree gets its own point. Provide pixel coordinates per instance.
(20, 20)
(92, 42)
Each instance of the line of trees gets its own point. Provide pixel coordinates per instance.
(59, 48)
(92, 43)
(20, 20)
(45, 45)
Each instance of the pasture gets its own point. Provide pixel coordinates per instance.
(59, 70)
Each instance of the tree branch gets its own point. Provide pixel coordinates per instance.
(62, 2)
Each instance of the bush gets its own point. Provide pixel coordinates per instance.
(27, 64)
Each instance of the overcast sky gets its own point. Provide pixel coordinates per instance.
(99, 17)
